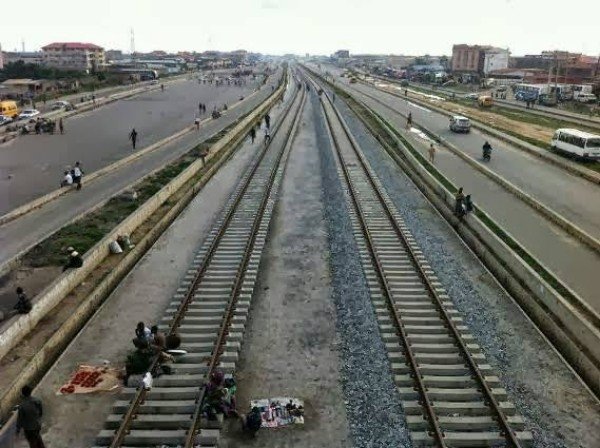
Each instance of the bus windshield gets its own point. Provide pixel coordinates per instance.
(593, 143)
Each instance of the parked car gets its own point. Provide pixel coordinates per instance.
(28, 113)
(458, 123)
(587, 98)
(60, 105)
(472, 96)
(4, 120)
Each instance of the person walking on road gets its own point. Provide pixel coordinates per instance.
(61, 126)
(252, 134)
(197, 123)
(267, 136)
(29, 418)
(409, 121)
(133, 137)
(431, 153)
(268, 121)
(77, 173)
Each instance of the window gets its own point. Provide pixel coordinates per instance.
(593, 143)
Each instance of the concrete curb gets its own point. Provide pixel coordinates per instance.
(551, 215)
(572, 168)
(55, 292)
(36, 203)
(572, 328)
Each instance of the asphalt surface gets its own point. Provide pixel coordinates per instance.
(27, 230)
(569, 259)
(32, 165)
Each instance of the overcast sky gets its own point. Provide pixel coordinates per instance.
(306, 26)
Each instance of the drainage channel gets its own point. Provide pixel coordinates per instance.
(208, 311)
(451, 396)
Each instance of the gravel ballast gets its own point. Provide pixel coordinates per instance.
(558, 409)
(373, 407)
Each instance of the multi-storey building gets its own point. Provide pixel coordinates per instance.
(74, 56)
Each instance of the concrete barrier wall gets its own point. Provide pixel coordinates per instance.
(55, 292)
(572, 330)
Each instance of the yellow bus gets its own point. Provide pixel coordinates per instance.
(9, 109)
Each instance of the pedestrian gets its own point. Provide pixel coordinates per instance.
(23, 305)
(77, 173)
(459, 198)
(252, 422)
(405, 92)
(268, 121)
(267, 136)
(252, 134)
(38, 127)
(133, 137)
(61, 126)
(409, 121)
(94, 100)
(67, 179)
(29, 418)
(468, 204)
(74, 261)
(431, 153)
(197, 123)
(200, 107)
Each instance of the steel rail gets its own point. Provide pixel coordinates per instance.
(490, 400)
(141, 393)
(191, 434)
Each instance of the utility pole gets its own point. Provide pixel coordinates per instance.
(132, 44)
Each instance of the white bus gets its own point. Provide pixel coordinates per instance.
(577, 142)
(579, 89)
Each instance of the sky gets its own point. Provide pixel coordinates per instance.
(307, 26)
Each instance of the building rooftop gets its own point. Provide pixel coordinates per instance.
(72, 46)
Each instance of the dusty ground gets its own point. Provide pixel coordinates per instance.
(290, 347)
(32, 280)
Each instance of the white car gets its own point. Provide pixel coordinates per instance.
(586, 98)
(28, 113)
(60, 105)
(4, 120)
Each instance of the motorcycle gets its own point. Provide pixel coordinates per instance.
(487, 154)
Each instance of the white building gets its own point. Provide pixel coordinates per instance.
(495, 59)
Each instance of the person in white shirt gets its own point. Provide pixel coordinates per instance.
(77, 174)
(67, 180)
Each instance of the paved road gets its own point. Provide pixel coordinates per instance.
(570, 260)
(32, 165)
(26, 231)
(571, 196)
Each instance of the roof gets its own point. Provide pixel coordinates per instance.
(22, 81)
(578, 133)
(73, 46)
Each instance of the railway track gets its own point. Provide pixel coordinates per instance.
(208, 310)
(451, 396)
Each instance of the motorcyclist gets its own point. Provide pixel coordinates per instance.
(487, 150)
